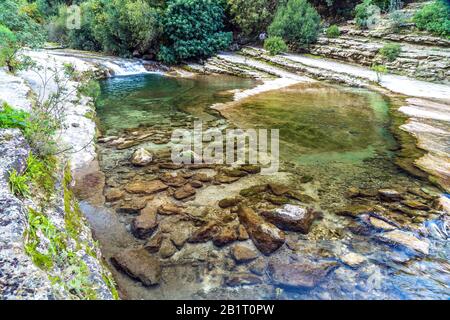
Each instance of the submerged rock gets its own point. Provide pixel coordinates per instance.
(405, 239)
(132, 206)
(144, 224)
(226, 235)
(184, 192)
(167, 249)
(300, 275)
(242, 279)
(242, 253)
(180, 233)
(169, 209)
(278, 189)
(380, 224)
(114, 194)
(141, 157)
(258, 266)
(389, 195)
(354, 211)
(266, 237)
(154, 243)
(254, 190)
(229, 202)
(147, 187)
(252, 169)
(414, 204)
(140, 265)
(205, 233)
(173, 180)
(353, 259)
(292, 218)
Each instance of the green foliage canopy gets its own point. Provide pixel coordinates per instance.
(434, 17)
(297, 22)
(193, 29)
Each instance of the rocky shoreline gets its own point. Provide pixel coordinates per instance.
(21, 276)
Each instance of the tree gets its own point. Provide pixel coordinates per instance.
(124, 26)
(380, 70)
(297, 22)
(193, 29)
(252, 17)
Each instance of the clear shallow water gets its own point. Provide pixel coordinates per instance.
(145, 100)
(337, 135)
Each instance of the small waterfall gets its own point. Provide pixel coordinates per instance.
(124, 67)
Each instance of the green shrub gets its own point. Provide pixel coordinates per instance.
(193, 29)
(391, 51)
(435, 18)
(13, 118)
(275, 45)
(333, 31)
(252, 17)
(297, 22)
(366, 13)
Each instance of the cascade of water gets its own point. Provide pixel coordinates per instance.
(124, 67)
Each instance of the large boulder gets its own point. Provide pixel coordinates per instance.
(292, 218)
(300, 274)
(139, 264)
(141, 157)
(266, 237)
(144, 224)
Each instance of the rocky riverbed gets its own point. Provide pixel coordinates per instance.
(320, 229)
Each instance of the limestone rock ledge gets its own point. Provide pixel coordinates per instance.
(21, 274)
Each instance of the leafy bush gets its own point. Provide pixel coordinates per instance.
(435, 18)
(12, 118)
(366, 14)
(391, 51)
(297, 22)
(27, 31)
(193, 29)
(333, 31)
(275, 45)
(252, 17)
